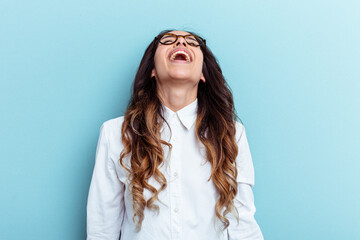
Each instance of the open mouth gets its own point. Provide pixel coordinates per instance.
(180, 56)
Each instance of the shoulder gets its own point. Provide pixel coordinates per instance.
(240, 129)
(113, 124)
(112, 128)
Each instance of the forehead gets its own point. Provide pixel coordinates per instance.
(179, 32)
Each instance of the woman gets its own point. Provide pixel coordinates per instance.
(177, 165)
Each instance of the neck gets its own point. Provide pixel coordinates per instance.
(177, 97)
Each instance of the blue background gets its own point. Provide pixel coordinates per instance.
(293, 67)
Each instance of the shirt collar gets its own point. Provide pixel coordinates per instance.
(187, 114)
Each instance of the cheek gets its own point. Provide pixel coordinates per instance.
(200, 63)
(200, 57)
(159, 62)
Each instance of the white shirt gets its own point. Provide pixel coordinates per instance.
(187, 207)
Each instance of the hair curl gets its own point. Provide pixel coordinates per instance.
(214, 127)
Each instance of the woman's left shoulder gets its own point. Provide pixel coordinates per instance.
(240, 128)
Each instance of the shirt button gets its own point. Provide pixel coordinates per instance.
(176, 210)
(175, 174)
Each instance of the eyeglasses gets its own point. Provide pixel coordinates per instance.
(192, 40)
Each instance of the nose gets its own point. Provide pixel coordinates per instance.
(180, 40)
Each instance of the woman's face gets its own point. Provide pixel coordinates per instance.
(175, 66)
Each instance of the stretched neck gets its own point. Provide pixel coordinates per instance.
(177, 97)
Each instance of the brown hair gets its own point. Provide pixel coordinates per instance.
(214, 128)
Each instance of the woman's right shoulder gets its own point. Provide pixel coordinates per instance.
(112, 131)
(112, 128)
(113, 124)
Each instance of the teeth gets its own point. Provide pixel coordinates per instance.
(172, 58)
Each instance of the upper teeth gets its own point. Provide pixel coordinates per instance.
(180, 52)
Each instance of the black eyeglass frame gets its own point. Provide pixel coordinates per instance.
(199, 39)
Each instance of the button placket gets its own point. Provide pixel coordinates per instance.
(174, 128)
(175, 196)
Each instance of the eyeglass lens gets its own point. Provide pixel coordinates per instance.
(170, 39)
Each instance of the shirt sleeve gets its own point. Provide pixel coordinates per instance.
(105, 205)
(244, 162)
(247, 228)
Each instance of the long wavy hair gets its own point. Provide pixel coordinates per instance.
(214, 128)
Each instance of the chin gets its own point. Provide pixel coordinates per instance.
(181, 75)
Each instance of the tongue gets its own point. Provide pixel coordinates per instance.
(180, 57)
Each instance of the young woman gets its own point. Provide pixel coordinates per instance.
(177, 165)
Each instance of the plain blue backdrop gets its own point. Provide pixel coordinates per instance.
(293, 67)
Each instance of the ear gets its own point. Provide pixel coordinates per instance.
(202, 78)
(153, 73)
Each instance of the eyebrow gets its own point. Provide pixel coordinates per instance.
(172, 34)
